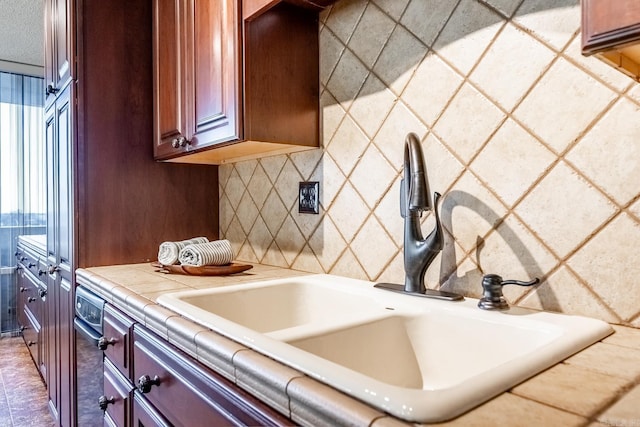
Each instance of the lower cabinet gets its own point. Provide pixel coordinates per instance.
(163, 386)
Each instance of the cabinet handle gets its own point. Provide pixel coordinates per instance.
(17, 254)
(41, 272)
(31, 343)
(23, 289)
(31, 265)
(52, 269)
(24, 258)
(31, 299)
(103, 342)
(104, 401)
(22, 328)
(42, 293)
(179, 142)
(145, 383)
(50, 89)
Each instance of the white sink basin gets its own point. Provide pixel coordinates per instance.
(422, 360)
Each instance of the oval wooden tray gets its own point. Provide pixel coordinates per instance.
(207, 270)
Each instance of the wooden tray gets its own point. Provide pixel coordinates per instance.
(207, 270)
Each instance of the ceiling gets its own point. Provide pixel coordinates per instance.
(21, 34)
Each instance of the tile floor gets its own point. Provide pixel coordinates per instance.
(23, 396)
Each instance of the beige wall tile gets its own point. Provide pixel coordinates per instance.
(393, 67)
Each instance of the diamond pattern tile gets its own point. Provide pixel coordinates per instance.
(521, 159)
(532, 144)
(594, 265)
(425, 18)
(372, 176)
(372, 106)
(554, 21)
(478, 23)
(480, 118)
(562, 292)
(527, 60)
(564, 219)
(366, 43)
(431, 88)
(348, 211)
(398, 59)
(622, 153)
(374, 248)
(563, 104)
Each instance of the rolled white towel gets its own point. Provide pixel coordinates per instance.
(169, 251)
(218, 252)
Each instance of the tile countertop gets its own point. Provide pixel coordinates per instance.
(599, 386)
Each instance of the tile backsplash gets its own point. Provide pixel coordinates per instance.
(535, 148)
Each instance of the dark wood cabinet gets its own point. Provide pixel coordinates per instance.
(229, 87)
(108, 201)
(31, 302)
(611, 31)
(196, 74)
(162, 386)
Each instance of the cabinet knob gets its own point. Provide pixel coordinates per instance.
(31, 299)
(179, 142)
(42, 293)
(52, 269)
(31, 343)
(23, 289)
(17, 254)
(24, 258)
(41, 272)
(51, 89)
(22, 328)
(103, 342)
(145, 383)
(31, 265)
(104, 401)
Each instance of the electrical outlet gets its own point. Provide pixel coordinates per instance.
(309, 197)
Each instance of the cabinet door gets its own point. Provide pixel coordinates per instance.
(169, 95)
(144, 415)
(60, 311)
(214, 57)
(59, 45)
(196, 61)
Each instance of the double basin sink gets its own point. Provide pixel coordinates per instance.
(419, 359)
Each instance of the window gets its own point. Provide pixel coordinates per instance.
(22, 176)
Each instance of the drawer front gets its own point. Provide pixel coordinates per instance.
(32, 295)
(117, 338)
(186, 393)
(117, 393)
(31, 336)
(29, 260)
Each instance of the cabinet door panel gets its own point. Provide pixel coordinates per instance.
(215, 56)
(169, 91)
(117, 332)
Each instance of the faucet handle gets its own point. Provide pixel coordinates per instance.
(493, 298)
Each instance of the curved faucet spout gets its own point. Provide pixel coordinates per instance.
(415, 176)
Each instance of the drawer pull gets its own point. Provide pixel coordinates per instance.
(31, 265)
(31, 343)
(31, 299)
(103, 342)
(104, 401)
(23, 289)
(145, 383)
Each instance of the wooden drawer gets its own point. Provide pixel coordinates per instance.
(116, 339)
(117, 395)
(187, 393)
(31, 336)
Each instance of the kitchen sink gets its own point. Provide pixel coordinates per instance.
(419, 359)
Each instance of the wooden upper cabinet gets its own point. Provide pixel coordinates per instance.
(59, 45)
(611, 30)
(196, 75)
(231, 86)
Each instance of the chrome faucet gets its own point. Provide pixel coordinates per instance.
(419, 252)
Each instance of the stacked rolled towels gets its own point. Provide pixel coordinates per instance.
(169, 251)
(218, 252)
